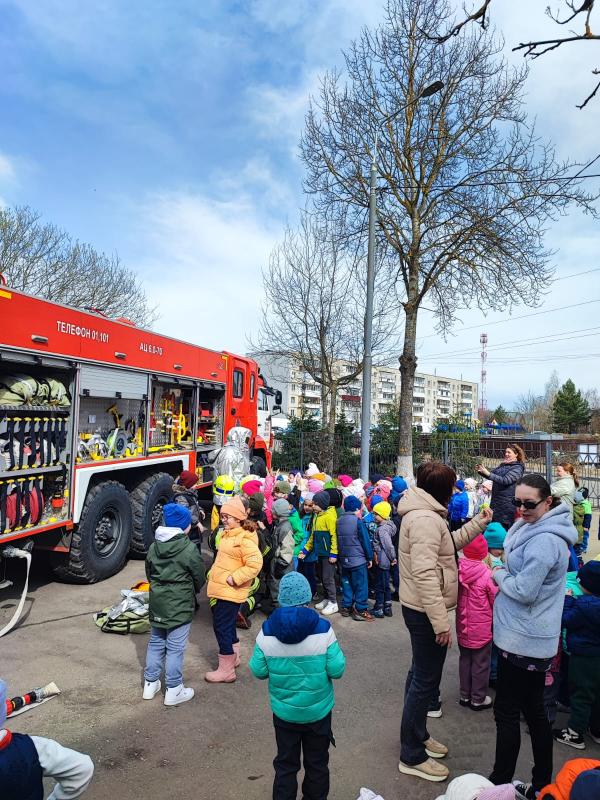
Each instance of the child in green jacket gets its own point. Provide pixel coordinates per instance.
(175, 570)
(298, 652)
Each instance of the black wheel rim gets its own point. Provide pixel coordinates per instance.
(157, 515)
(108, 532)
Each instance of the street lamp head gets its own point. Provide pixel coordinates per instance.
(433, 88)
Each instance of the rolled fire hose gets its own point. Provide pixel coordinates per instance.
(15, 552)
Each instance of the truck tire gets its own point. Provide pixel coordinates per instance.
(100, 542)
(258, 466)
(147, 499)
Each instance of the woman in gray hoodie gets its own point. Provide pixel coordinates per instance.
(527, 619)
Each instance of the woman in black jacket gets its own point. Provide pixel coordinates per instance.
(505, 477)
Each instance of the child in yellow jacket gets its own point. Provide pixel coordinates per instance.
(323, 540)
(237, 563)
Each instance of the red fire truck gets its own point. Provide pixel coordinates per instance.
(97, 418)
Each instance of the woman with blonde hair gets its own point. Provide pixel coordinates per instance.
(504, 478)
(566, 483)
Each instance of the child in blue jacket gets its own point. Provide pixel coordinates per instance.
(581, 618)
(298, 652)
(355, 555)
(458, 508)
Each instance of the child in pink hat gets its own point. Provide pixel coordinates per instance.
(476, 593)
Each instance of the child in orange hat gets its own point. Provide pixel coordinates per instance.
(237, 563)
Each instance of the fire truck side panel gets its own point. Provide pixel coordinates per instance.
(143, 407)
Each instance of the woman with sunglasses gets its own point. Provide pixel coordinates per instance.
(527, 619)
(504, 478)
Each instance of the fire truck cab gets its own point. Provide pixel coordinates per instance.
(97, 419)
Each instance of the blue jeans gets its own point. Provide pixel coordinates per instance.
(355, 587)
(422, 683)
(165, 650)
(383, 593)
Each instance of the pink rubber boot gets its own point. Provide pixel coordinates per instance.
(225, 672)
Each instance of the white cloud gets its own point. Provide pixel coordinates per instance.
(205, 267)
(7, 168)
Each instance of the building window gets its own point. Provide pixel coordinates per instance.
(238, 383)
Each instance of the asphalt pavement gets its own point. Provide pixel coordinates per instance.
(221, 744)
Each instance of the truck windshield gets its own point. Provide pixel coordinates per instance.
(263, 400)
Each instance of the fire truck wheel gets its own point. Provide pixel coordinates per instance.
(147, 500)
(101, 541)
(258, 466)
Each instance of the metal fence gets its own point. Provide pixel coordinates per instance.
(341, 454)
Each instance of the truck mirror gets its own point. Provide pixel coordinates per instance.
(278, 399)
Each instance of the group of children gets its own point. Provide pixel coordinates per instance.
(270, 539)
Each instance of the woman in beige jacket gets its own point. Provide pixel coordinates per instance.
(428, 591)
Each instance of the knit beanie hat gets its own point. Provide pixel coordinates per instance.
(506, 791)
(488, 485)
(399, 485)
(376, 477)
(282, 487)
(383, 490)
(176, 515)
(188, 479)
(495, 534)
(476, 550)
(470, 484)
(586, 785)
(321, 499)
(321, 476)
(589, 577)
(256, 502)
(307, 496)
(281, 508)
(315, 486)
(336, 498)
(311, 470)
(460, 485)
(251, 487)
(357, 488)
(345, 480)
(382, 510)
(235, 508)
(466, 787)
(384, 482)
(2, 702)
(294, 590)
(352, 504)
(375, 499)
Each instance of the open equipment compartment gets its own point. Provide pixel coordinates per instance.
(35, 443)
(112, 413)
(172, 419)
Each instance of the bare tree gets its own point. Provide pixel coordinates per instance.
(535, 49)
(533, 412)
(466, 187)
(313, 312)
(43, 260)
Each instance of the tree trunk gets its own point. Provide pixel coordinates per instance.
(408, 366)
(333, 390)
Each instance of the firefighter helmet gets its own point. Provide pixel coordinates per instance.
(223, 489)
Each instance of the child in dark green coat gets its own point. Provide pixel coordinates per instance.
(175, 570)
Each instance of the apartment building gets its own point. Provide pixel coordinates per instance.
(435, 398)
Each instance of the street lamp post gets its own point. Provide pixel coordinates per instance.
(365, 432)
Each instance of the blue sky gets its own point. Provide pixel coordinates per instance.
(168, 132)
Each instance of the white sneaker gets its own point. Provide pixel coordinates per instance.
(151, 689)
(320, 606)
(487, 703)
(330, 608)
(178, 694)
